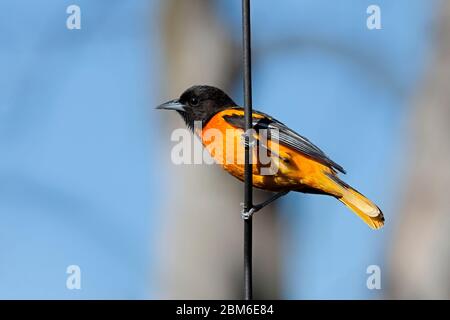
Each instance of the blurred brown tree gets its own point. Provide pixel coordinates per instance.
(202, 249)
(420, 256)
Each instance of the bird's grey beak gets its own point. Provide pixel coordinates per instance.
(172, 105)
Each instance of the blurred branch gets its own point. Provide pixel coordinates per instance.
(367, 63)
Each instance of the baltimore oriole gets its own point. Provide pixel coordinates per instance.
(300, 165)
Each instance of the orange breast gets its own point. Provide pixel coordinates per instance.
(274, 168)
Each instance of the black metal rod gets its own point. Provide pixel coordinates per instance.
(248, 190)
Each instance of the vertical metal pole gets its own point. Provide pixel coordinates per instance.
(248, 191)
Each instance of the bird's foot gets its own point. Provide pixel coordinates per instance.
(250, 142)
(255, 208)
(245, 215)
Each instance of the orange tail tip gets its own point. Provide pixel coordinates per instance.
(363, 207)
(359, 204)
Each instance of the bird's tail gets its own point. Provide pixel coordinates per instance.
(359, 204)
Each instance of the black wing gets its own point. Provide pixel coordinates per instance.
(279, 131)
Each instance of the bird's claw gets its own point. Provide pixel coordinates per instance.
(245, 215)
(244, 142)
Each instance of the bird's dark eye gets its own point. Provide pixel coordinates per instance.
(193, 101)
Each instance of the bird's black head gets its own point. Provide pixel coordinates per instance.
(199, 103)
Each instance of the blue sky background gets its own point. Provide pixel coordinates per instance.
(74, 144)
(76, 184)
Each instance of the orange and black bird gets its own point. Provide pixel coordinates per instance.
(300, 165)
